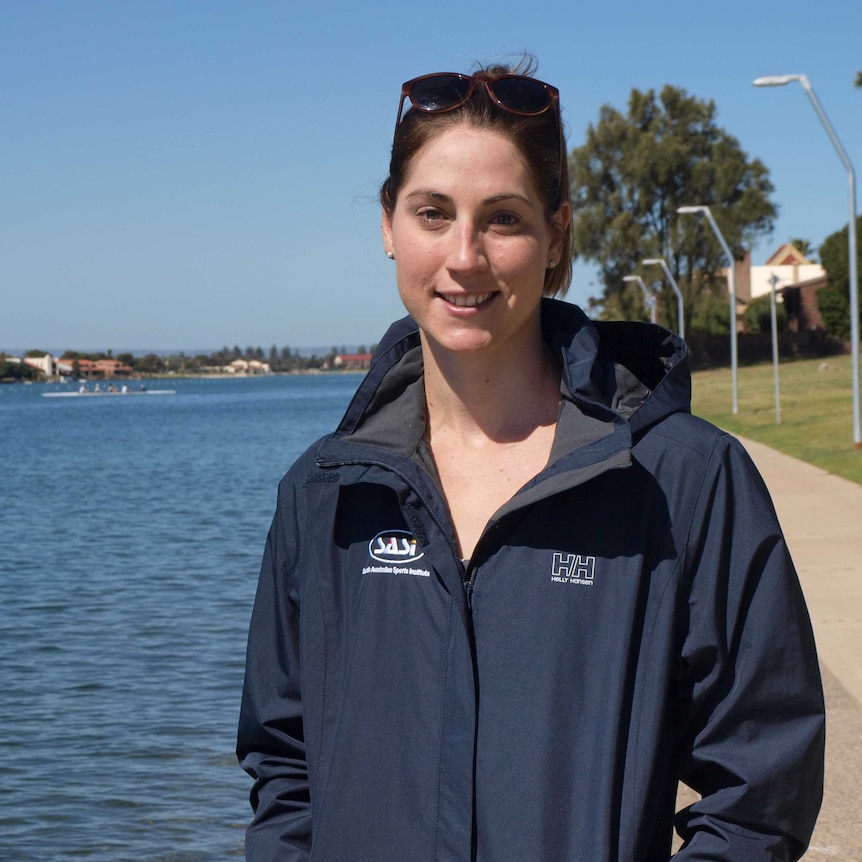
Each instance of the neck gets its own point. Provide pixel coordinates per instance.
(500, 399)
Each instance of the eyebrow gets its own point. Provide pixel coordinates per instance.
(494, 199)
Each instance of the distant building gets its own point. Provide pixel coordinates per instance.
(248, 366)
(64, 366)
(45, 363)
(102, 369)
(789, 266)
(797, 281)
(352, 361)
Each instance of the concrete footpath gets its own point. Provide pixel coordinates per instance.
(821, 516)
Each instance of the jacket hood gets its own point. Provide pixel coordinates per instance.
(637, 370)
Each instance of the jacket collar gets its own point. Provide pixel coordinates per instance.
(638, 371)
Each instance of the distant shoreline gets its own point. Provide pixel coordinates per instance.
(192, 375)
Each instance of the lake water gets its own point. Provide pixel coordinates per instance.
(130, 539)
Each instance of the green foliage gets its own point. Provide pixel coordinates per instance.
(758, 315)
(859, 79)
(834, 308)
(622, 305)
(834, 300)
(152, 363)
(14, 371)
(632, 173)
(711, 315)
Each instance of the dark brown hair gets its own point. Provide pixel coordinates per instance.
(539, 138)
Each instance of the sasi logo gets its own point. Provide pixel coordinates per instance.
(394, 546)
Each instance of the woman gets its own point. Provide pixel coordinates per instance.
(521, 592)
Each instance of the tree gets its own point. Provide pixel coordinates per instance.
(17, 370)
(834, 299)
(758, 315)
(859, 79)
(152, 363)
(635, 170)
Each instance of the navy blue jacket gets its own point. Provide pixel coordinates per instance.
(630, 619)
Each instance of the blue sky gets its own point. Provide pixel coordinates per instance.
(184, 175)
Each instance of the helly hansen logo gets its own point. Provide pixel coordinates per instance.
(573, 569)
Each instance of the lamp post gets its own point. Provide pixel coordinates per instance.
(773, 280)
(647, 295)
(779, 81)
(731, 284)
(663, 264)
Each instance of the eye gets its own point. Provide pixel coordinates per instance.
(430, 215)
(505, 220)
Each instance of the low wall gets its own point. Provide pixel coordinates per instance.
(712, 351)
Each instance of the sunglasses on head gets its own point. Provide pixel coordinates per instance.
(445, 91)
(518, 94)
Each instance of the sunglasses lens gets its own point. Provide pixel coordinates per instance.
(439, 92)
(524, 95)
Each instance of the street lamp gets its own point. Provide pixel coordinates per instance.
(647, 295)
(773, 280)
(779, 81)
(731, 283)
(661, 262)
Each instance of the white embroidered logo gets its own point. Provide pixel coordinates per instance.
(395, 546)
(573, 569)
(396, 550)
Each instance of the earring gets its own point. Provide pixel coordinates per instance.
(551, 263)
(390, 255)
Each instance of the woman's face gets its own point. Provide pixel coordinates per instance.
(472, 242)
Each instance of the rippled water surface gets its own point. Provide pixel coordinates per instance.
(131, 535)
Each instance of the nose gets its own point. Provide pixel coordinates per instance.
(467, 255)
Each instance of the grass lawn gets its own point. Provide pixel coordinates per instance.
(816, 410)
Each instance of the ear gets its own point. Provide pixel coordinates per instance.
(386, 231)
(560, 221)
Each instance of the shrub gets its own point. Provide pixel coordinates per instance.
(758, 315)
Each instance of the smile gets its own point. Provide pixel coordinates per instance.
(466, 300)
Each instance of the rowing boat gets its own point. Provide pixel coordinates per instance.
(109, 394)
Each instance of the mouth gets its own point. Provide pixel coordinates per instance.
(466, 300)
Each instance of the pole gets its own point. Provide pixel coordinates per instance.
(774, 279)
(731, 288)
(648, 299)
(679, 304)
(851, 242)
(777, 81)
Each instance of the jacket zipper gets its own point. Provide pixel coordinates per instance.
(468, 585)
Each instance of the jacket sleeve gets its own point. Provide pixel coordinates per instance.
(751, 713)
(270, 739)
